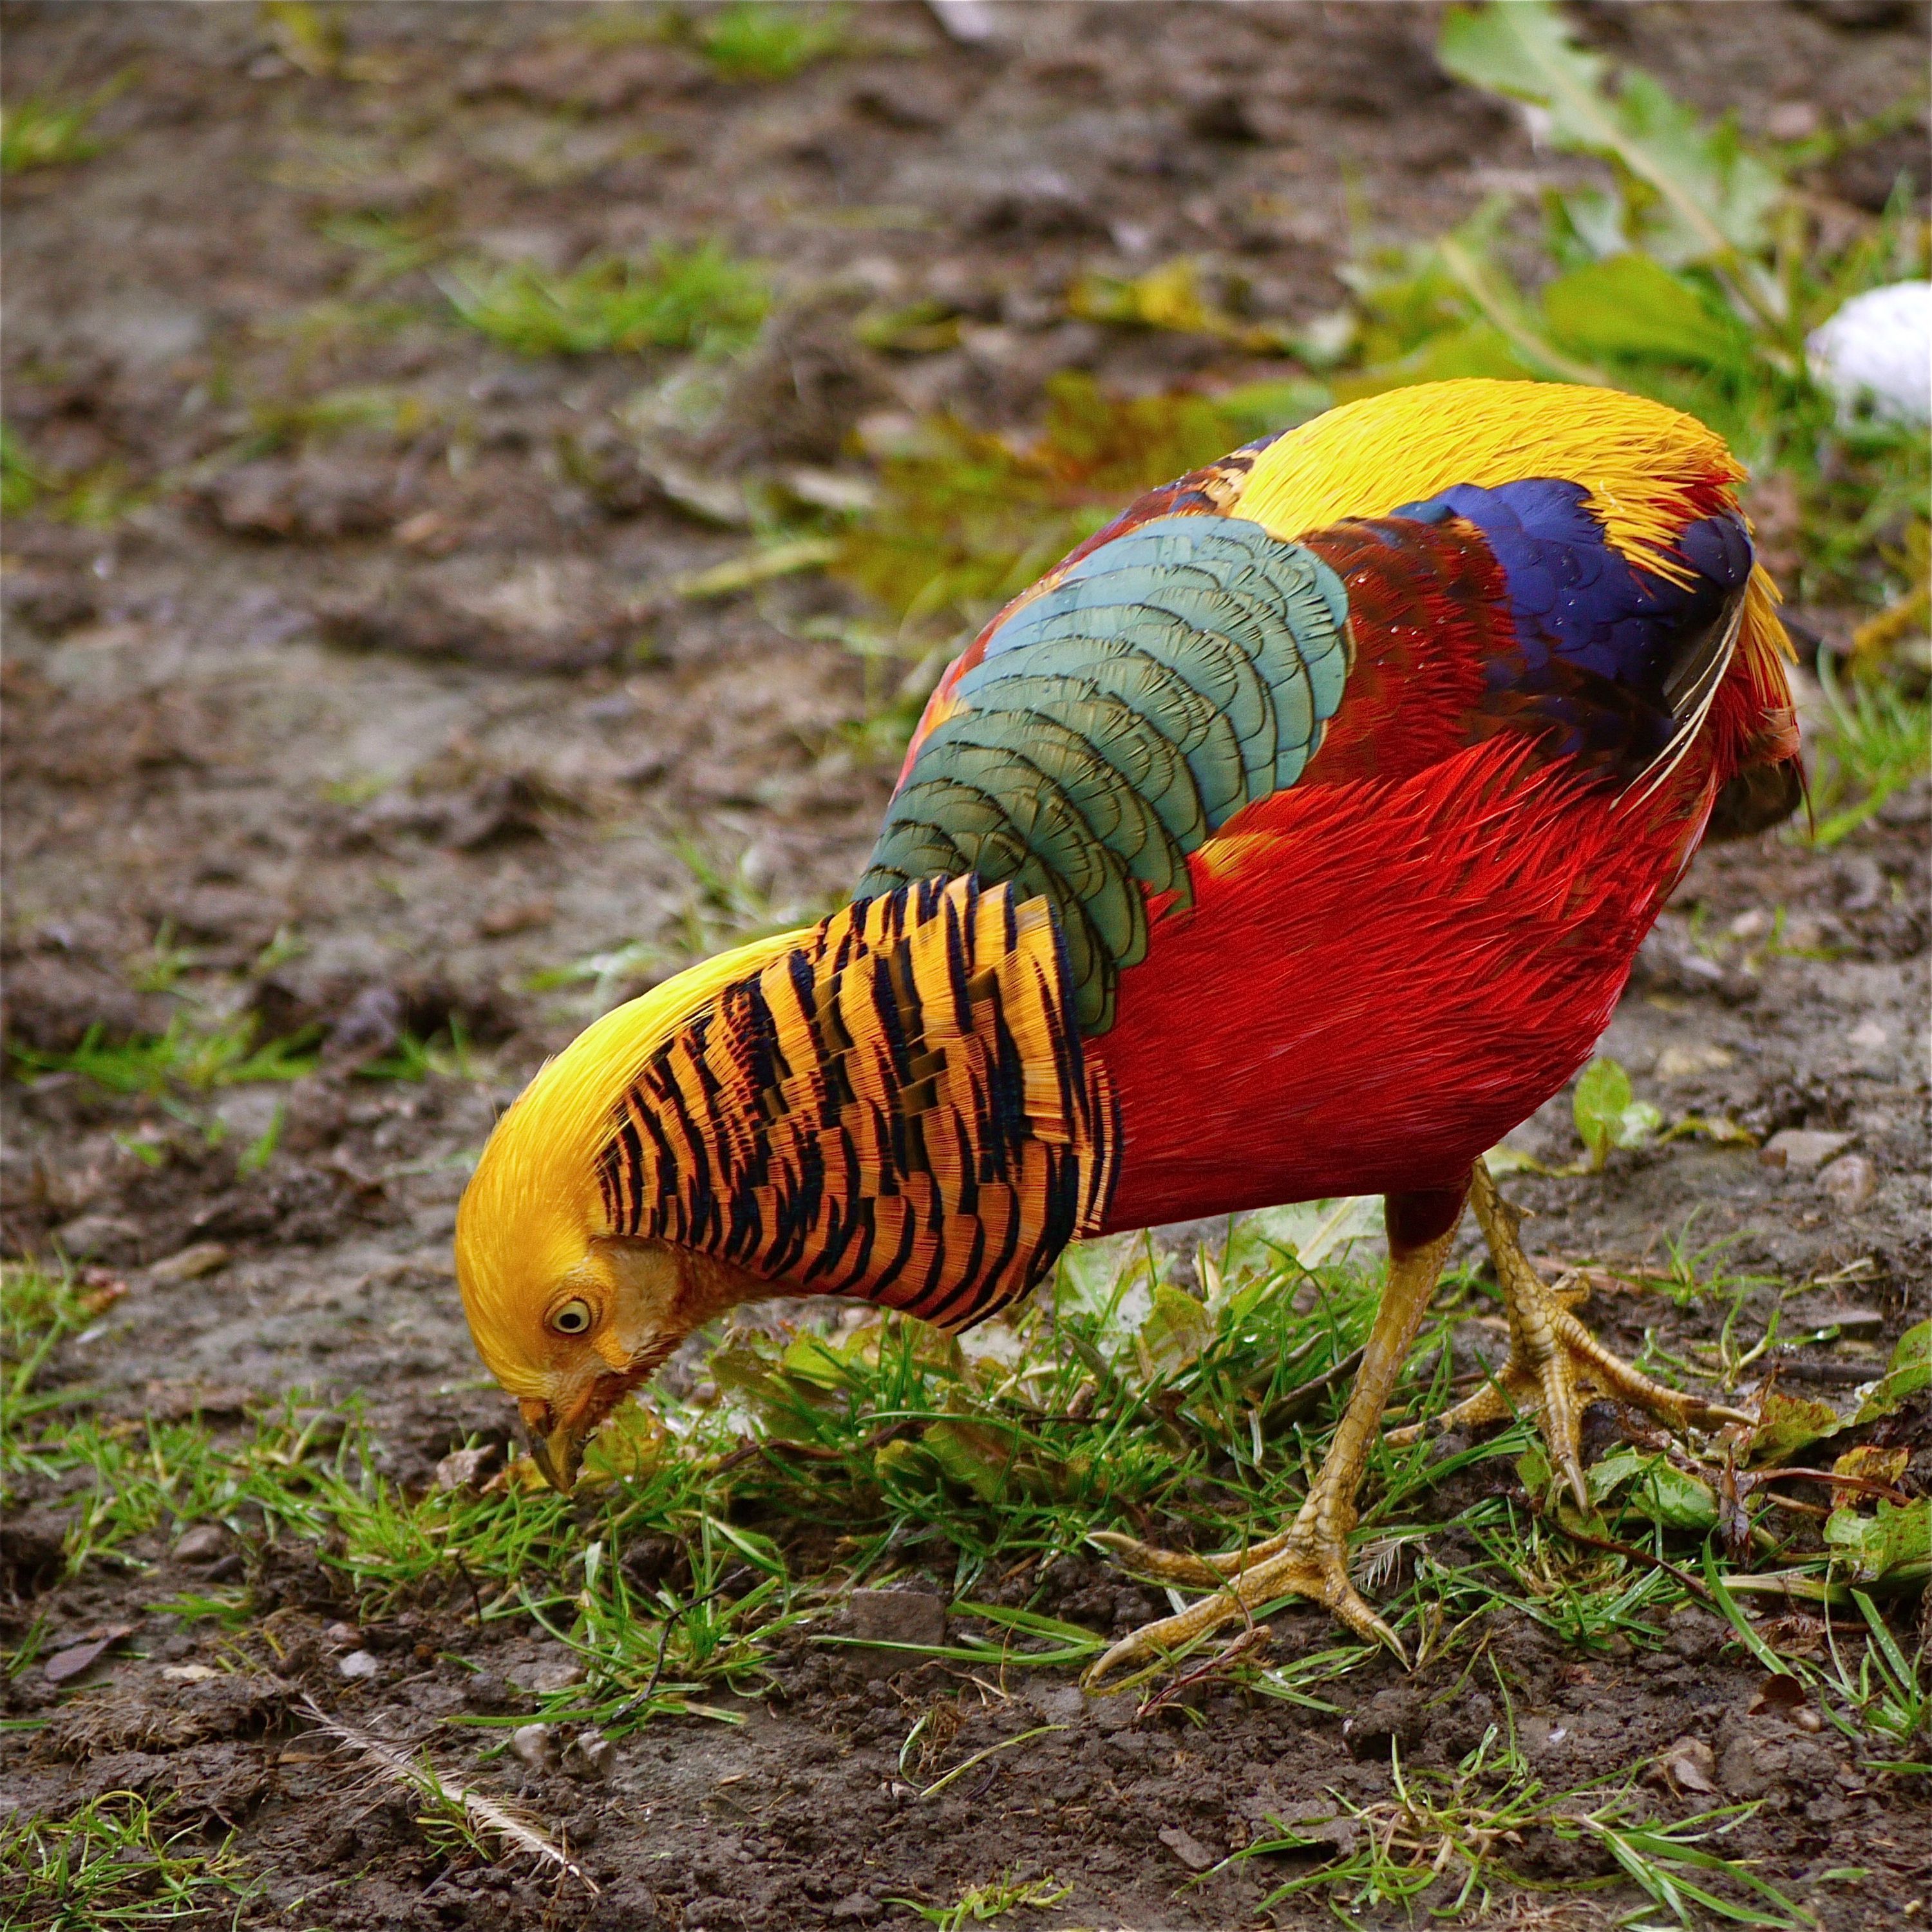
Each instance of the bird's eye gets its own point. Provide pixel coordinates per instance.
(572, 1318)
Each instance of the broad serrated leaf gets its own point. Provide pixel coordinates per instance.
(1712, 198)
(1892, 1545)
(1658, 1489)
(1788, 1423)
(630, 1444)
(1176, 1329)
(1110, 1279)
(1910, 1371)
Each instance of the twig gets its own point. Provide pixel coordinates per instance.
(1285, 1408)
(479, 1809)
(812, 1452)
(1255, 1637)
(1630, 1550)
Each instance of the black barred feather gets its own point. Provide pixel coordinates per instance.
(898, 1108)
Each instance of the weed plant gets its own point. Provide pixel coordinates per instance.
(698, 298)
(751, 41)
(51, 131)
(120, 1862)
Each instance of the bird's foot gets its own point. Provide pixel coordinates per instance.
(1556, 1367)
(1307, 1561)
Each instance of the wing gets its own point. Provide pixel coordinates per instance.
(1103, 729)
(1189, 666)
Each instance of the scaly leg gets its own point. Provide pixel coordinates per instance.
(1311, 1558)
(1553, 1358)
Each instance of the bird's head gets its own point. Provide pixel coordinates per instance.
(568, 1310)
(892, 1105)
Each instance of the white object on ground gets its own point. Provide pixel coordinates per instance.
(1880, 345)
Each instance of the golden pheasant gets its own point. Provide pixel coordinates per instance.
(1292, 838)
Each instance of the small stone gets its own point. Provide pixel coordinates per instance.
(1752, 924)
(1793, 121)
(1343, 1833)
(191, 1264)
(1692, 1765)
(899, 1616)
(91, 1236)
(1188, 1848)
(533, 1745)
(341, 1634)
(1687, 1063)
(1802, 1150)
(358, 1665)
(204, 1543)
(189, 1673)
(857, 1905)
(591, 1754)
(1850, 1181)
(1867, 1036)
(547, 1675)
(460, 1467)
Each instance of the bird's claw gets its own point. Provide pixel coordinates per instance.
(1293, 1563)
(1555, 1368)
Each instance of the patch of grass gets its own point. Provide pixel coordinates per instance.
(1877, 739)
(22, 482)
(711, 1529)
(753, 40)
(967, 518)
(227, 1054)
(94, 499)
(980, 1904)
(700, 298)
(286, 422)
(387, 246)
(1443, 1841)
(52, 130)
(115, 1862)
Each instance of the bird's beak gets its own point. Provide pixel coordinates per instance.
(557, 1447)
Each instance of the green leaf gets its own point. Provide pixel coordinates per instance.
(981, 1459)
(1708, 199)
(1176, 1329)
(1630, 306)
(1910, 1371)
(1660, 1490)
(1607, 1113)
(1788, 1423)
(630, 1444)
(1894, 1545)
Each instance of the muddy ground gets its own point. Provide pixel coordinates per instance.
(360, 732)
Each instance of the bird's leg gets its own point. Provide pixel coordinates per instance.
(1555, 1365)
(1310, 1558)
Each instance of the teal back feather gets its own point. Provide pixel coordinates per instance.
(1180, 672)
